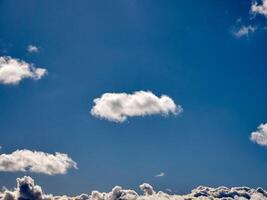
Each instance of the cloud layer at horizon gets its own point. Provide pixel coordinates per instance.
(117, 107)
(27, 189)
(13, 71)
(36, 162)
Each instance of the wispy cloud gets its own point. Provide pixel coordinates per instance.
(161, 174)
(13, 71)
(117, 107)
(37, 162)
(32, 49)
(244, 31)
(169, 191)
(260, 136)
(239, 20)
(261, 8)
(257, 7)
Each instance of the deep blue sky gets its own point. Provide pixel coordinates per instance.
(184, 49)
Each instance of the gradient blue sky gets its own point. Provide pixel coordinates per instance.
(185, 49)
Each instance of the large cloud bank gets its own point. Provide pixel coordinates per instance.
(260, 136)
(27, 190)
(117, 107)
(37, 162)
(13, 71)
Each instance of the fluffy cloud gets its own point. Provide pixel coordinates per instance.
(244, 31)
(118, 106)
(37, 162)
(147, 189)
(161, 174)
(32, 49)
(12, 71)
(257, 8)
(27, 190)
(260, 136)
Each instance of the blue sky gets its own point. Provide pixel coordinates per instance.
(187, 50)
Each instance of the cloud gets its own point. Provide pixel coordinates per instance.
(27, 190)
(260, 136)
(257, 8)
(147, 189)
(244, 31)
(161, 174)
(37, 162)
(32, 49)
(169, 191)
(239, 20)
(117, 107)
(13, 71)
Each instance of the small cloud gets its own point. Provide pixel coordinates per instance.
(117, 107)
(32, 49)
(147, 189)
(161, 174)
(260, 136)
(239, 20)
(36, 162)
(261, 8)
(244, 31)
(169, 191)
(13, 71)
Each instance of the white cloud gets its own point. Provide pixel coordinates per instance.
(244, 31)
(161, 174)
(260, 136)
(117, 107)
(257, 8)
(27, 189)
(37, 162)
(147, 189)
(12, 71)
(32, 49)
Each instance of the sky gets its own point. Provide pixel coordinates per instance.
(101, 93)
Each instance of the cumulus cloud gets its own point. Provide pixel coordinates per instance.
(32, 49)
(244, 31)
(117, 107)
(13, 71)
(27, 190)
(161, 174)
(261, 8)
(37, 162)
(147, 189)
(260, 136)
